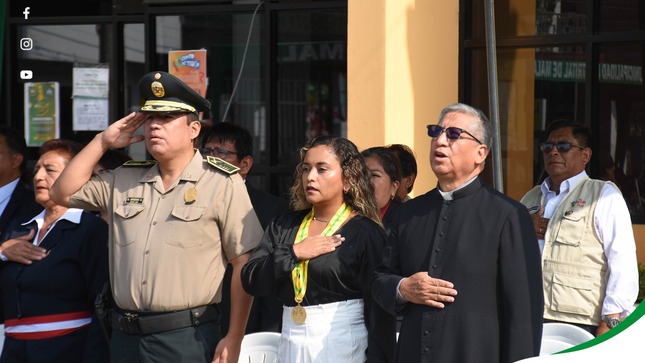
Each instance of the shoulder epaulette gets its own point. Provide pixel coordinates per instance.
(222, 165)
(138, 163)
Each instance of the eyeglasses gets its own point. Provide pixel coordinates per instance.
(452, 133)
(562, 147)
(217, 152)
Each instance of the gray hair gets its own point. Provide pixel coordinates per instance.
(483, 130)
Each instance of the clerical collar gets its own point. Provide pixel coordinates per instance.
(448, 195)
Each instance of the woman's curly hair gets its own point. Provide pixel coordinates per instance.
(360, 195)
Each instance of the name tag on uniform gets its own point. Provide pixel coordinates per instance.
(133, 200)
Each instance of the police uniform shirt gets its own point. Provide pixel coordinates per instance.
(169, 248)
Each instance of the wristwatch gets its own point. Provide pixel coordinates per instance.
(611, 322)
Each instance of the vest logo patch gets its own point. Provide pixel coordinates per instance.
(533, 209)
(578, 203)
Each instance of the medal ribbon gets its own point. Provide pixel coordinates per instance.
(299, 273)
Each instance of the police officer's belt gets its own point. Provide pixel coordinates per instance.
(139, 323)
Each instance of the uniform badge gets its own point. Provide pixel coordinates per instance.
(157, 89)
(190, 195)
(133, 200)
(222, 165)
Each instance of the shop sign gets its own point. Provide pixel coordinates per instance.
(573, 71)
(308, 52)
(190, 67)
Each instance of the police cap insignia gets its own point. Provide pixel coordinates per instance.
(138, 163)
(222, 165)
(163, 92)
(157, 89)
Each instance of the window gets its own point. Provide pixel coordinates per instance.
(553, 64)
(292, 75)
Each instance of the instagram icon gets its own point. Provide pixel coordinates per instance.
(26, 43)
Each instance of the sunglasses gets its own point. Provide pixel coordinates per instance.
(562, 147)
(217, 152)
(452, 133)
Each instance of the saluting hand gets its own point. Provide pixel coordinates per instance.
(315, 246)
(21, 249)
(119, 134)
(422, 289)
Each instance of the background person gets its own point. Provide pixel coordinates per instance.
(408, 169)
(385, 175)
(585, 235)
(464, 270)
(16, 194)
(234, 144)
(320, 259)
(58, 264)
(169, 242)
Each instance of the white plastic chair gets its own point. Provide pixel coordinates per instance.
(260, 348)
(560, 336)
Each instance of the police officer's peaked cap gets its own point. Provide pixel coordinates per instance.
(163, 92)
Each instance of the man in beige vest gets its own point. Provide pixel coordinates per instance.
(583, 226)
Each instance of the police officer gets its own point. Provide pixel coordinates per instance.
(175, 224)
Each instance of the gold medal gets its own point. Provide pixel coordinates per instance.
(298, 314)
(190, 195)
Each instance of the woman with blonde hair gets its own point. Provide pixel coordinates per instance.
(319, 260)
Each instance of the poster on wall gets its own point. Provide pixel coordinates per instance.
(91, 97)
(41, 112)
(190, 67)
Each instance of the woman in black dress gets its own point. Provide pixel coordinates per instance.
(319, 260)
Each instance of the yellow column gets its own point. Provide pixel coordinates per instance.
(402, 70)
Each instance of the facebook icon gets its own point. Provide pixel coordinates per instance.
(26, 12)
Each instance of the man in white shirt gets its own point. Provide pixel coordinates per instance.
(584, 230)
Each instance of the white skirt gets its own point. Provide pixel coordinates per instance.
(332, 333)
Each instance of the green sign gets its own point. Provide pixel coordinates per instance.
(41, 112)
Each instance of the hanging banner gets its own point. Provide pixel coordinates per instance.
(91, 97)
(190, 67)
(41, 112)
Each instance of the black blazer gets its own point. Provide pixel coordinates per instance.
(21, 206)
(266, 206)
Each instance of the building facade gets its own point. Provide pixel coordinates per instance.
(376, 71)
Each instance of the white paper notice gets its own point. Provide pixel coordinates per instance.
(90, 114)
(91, 98)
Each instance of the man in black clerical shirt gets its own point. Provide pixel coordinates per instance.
(463, 268)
